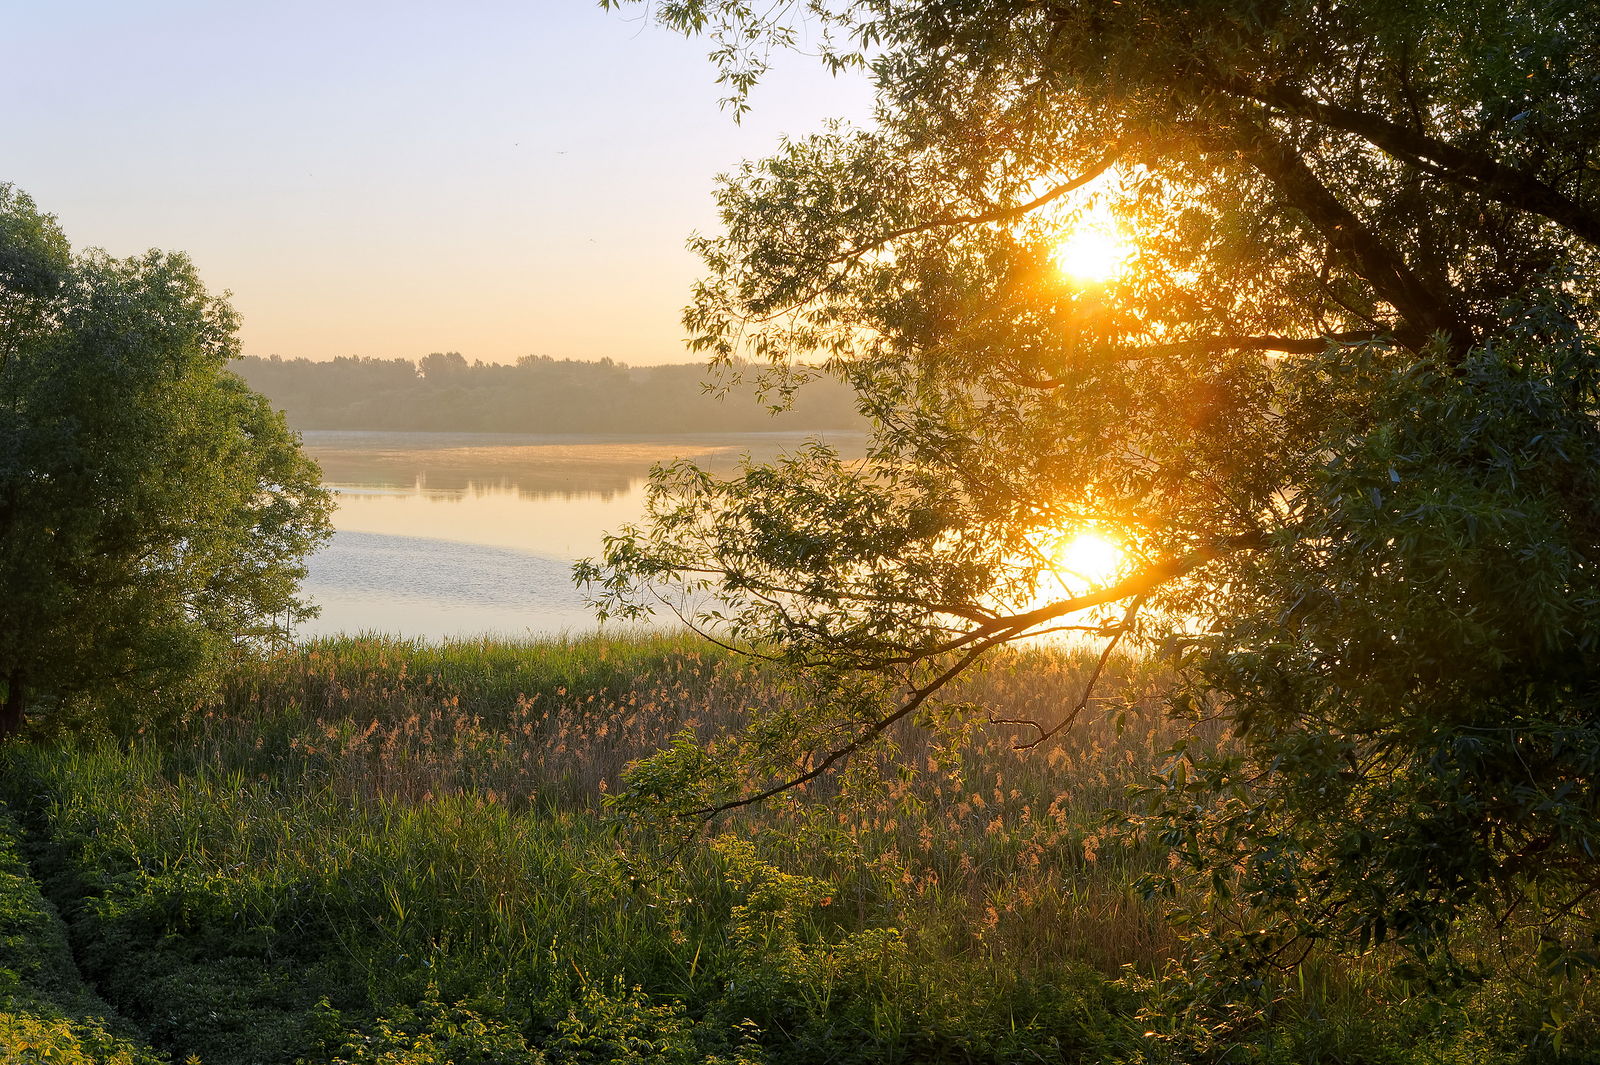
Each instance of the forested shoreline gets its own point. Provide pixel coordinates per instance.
(537, 394)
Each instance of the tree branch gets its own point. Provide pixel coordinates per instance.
(1470, 169)
(1424, 312)
(1269, 342)
(994, 214)
(1088, 688)
(1206, 345)
(918, 696)
(1139, 584)
(990, 635)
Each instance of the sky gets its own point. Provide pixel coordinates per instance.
(390, 177)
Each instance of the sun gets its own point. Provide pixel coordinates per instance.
(1075, 564)
(1093, 253)
(1089, 557)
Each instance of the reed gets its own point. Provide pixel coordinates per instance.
(992, 848)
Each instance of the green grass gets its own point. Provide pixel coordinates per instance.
(369, 850)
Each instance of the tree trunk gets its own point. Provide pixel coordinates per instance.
(13, 710)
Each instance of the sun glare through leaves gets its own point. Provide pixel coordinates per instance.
(1095, 250)
(1075, 564)
(1089, 558)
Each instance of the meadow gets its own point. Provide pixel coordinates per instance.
(375, 851)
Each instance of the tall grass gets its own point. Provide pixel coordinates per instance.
(390, 819)
(996, 849)
(556, 720)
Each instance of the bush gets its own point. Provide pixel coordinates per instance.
(429, 1033)
(47, 1014)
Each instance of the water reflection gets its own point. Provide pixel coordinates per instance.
(417, 586)
(563, 467)
(462, 534)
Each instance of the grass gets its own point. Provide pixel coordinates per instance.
(370, 850)
(981, 837)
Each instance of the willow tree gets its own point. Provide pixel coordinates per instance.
(154, 512)
(1331, 389)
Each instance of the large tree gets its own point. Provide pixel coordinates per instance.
(1335, 401)
(154, 512)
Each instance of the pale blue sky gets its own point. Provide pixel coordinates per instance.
(392, 178)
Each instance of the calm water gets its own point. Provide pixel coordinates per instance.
(462, 534)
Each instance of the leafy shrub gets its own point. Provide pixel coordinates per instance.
(430, 1033)
(34, 958)
(37, 1038)
(618, 1024)
(47, 1014)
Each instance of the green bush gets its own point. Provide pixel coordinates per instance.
(429, 1033)
(620, 1024)
(47, 1014)
(39, 1038)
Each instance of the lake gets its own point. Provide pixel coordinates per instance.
(464, 534)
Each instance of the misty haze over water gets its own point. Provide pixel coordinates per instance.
(463, 534)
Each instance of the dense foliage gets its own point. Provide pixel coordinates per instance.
(1336, 402)
(47, 1012)
(537, 395)
(154, 511)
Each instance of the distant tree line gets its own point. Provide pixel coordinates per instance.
(538, 394)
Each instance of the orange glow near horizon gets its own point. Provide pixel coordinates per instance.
(1075, 564)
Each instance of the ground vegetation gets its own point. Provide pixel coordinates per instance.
(375, 852)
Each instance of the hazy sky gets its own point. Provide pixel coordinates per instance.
(392, 178)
